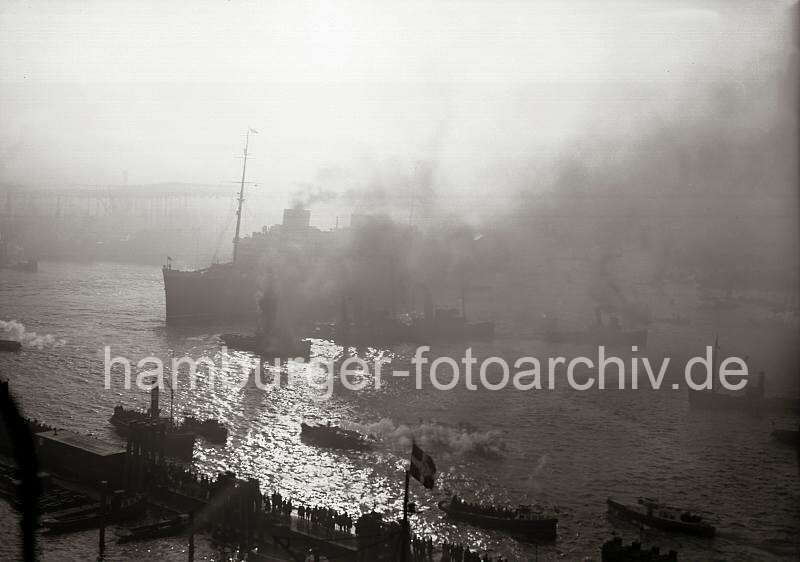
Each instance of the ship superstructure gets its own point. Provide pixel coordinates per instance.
(230, 290)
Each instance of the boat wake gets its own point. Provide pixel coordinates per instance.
(460, 440)
(12, 329)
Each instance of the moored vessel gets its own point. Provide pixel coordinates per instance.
(176, 441)
(120, 508)
(160, 529)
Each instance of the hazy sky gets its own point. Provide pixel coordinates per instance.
(484, 89)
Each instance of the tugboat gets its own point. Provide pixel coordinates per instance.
(447, 324)
(361, 326)
(258, 345)
(522, 521)
(271, 338)
(210, 429)
(10, 345)
(334, 437)
(178, 443)
(654, 514)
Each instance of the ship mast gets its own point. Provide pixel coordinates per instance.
(241, 195)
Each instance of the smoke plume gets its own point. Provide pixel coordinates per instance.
(12, 329)
(437, 438)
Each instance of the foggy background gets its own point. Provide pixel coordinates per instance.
(534, 166)
(603, 145)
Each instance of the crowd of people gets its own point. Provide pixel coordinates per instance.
(181, 480)
(184, 481)
(452, 552)
(277, 505)
(422, 550)
(327, 518)
(324, 517)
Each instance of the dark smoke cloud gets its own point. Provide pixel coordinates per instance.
(306, 195)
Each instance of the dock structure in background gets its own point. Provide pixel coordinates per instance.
(79, 457)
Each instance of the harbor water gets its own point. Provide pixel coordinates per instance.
(562, 447)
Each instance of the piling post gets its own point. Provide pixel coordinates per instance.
(405, 536)
(127, 480)
(191, 536)
(103, 511)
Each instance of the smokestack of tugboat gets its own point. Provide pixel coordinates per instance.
(154, 402)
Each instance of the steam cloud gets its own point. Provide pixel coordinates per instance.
(12, 329)
(308, 194)
(435, 437)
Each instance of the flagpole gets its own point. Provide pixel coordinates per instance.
(404, 541)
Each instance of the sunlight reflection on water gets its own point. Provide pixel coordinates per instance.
(570, 449)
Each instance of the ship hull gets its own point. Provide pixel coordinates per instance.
(10, 345)
(219, 292)
(333, 437)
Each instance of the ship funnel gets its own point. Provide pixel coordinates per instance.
(154, 402)
(296, 219)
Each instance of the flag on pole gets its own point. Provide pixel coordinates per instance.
(422, 467)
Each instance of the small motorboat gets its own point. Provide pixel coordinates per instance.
(653, 514)
(334, 437)
(166, 528)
